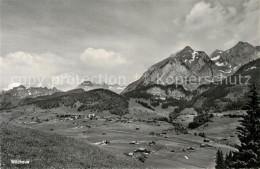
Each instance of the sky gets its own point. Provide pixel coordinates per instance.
(48, 42)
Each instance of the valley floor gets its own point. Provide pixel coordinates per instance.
(168, 148)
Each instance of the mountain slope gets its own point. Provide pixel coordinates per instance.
(10, 98)
(49, 150)
(96, 100)
(177, 69)
(230, 93)
(193, 70)
(230, 60)
(160, 92)
(22, 92)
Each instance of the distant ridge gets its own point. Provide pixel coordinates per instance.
(88, 85)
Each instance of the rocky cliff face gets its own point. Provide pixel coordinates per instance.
(184, 68)
(191, 69)
(230, 60)
(227, 95)
(10, 98)
(22, 92)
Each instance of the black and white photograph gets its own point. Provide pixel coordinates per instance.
(158, 84)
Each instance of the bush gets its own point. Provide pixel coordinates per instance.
(179, 128)
(202, 134)
(142, 158)
(155, 103)
(233, 115)
(200, 120)
(162, 119)
(119, 111)
(173, 115)
(181, 103)
(145, 104)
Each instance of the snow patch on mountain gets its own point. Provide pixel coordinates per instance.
(251, 68)
(194, 53)
(220, 64)
(230, 71)
(215, 58)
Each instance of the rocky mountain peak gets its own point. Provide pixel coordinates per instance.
(22, 92)
(242, 44)
(187, 48)
(86, 83)
(188, 62)
(185, 63)
(21, 87)
(230, 60)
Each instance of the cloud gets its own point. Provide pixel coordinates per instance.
(30, 69)
(65, 81)
(48, 69)
(140, 37)
(208, 23)
(102, 58)
(212, 21)
(12, 85)
(204, 16)
(32, 63)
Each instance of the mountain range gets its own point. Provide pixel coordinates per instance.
(230, 60)
(172, 76)
(22, 92)
(160, 85)
(10, 98)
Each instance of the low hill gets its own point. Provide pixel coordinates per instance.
(49, 150)
(8, 101)
(96, 100)
(89, 85)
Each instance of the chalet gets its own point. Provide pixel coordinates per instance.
(133, 142)
(152, 143)
(142, 150)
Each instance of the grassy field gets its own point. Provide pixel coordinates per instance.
(169, 151)
(49, 150)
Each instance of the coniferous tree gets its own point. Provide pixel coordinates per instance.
(220, 160)
(248, 155)
(228, 158)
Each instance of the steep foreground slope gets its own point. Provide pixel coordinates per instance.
(49, 150)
